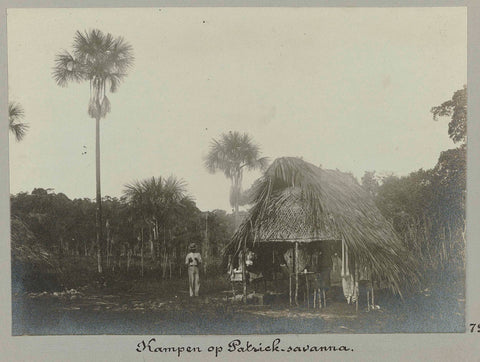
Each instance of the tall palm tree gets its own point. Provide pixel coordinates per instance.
(232, 153)
(157, 200)
(102, 60)
(16, 115)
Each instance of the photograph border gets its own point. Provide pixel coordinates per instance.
(435, 346)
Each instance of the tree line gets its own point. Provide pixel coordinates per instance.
(150, 226)
(427, 207)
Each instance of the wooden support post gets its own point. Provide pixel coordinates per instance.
(373, 298)
(290, 287)
(356, 287)
(244, 271)
(308, 291)
(368, 299)
(296, 273)
(274, 272)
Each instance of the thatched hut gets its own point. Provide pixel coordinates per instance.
(297, 205)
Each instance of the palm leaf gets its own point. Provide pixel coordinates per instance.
(67, 69)
(120, 55)
(94, 108)
(105, 106)
(16, 114)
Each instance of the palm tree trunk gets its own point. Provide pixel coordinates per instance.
(141, 252)
(151, 233)
(157, 239)
(164, 270)
(98, 218)
(107, 249)
(236, 190)
(237, 221)
(169, 254)
(205, 253)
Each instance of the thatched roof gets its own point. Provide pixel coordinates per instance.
(297, 201)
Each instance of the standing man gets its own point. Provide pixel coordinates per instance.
(193, 261)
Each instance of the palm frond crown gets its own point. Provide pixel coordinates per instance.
(232, 152)
(99, 58)
(156, 197)
(16, 114)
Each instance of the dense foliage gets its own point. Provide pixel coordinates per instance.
(456, 109)
(427, 207)
(64, 230)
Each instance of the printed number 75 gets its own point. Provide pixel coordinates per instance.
(473, 326)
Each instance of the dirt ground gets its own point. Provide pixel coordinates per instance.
(166, 308)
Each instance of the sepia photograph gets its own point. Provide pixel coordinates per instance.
(237, 171)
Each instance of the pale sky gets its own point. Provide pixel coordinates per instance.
(345, 88)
